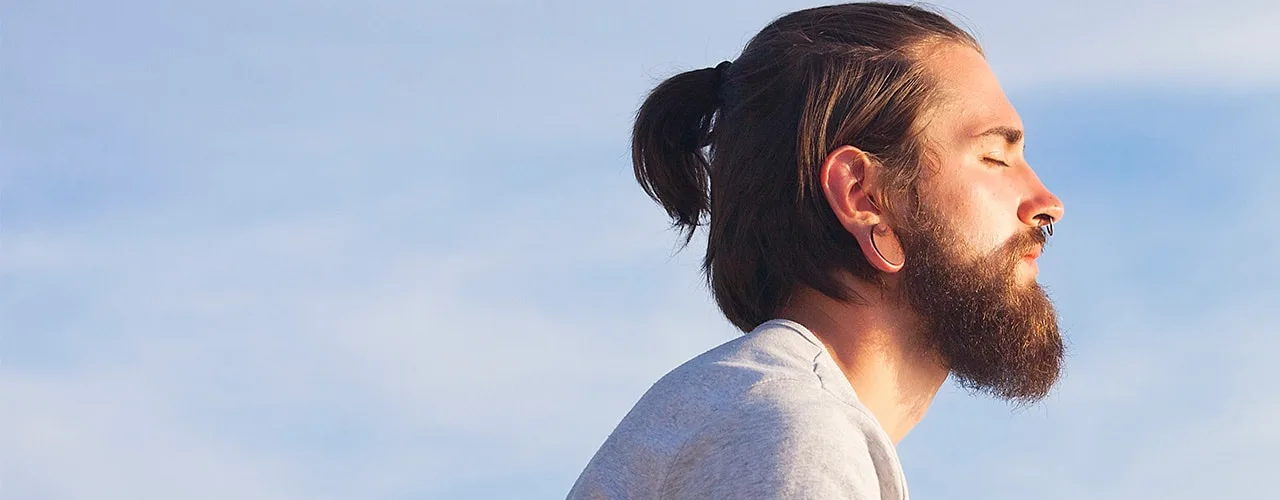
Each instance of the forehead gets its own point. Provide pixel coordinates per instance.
(971, 99)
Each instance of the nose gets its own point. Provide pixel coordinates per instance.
(1039, 204)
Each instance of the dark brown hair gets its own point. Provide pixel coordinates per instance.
(740, 146)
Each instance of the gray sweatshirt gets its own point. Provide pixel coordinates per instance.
(766, 415)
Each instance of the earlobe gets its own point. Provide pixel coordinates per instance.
(882, 248)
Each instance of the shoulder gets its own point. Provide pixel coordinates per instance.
(786, 413)
(792, 439)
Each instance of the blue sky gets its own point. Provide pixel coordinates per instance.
(393, 249)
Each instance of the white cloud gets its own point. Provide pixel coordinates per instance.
(229, 339)
(104, 432)
(1178, 44)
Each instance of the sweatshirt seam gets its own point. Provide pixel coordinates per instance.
(813, 367)
(822, 382)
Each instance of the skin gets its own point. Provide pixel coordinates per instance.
(990, 192)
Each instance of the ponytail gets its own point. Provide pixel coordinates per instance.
(672, 128)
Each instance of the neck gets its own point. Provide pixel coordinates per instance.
(878, 345)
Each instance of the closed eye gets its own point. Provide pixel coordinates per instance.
(995, 161)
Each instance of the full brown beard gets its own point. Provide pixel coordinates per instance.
(997, 336)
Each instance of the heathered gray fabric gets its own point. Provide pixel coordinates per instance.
(766, 415)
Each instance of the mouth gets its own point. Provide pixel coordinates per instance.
(1030, 260)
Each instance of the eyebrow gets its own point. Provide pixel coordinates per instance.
(1011, 135)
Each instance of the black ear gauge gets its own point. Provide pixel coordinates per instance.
(887, 245)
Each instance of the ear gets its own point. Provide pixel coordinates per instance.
(847, 176)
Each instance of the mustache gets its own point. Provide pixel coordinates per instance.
(1025, 242)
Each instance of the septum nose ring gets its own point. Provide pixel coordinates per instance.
(1046, 222)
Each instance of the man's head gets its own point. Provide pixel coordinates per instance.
(839, 135)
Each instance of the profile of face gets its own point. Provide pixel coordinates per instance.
(971, 247)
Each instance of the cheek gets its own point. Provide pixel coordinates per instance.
(980, 212)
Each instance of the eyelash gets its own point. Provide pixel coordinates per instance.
(995, 161)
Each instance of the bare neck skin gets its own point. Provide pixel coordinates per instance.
(877, 345)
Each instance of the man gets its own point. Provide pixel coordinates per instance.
(873, 225)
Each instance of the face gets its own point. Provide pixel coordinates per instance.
(971, 248)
